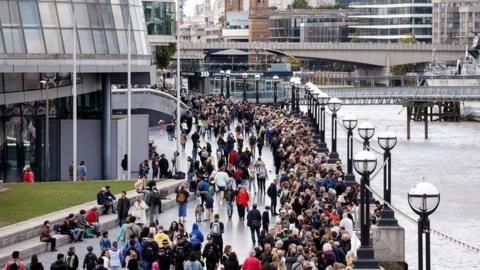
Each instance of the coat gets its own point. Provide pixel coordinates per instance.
(139, 210)
(243, 198)
(123, 206)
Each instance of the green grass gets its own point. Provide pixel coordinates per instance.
(24, 201)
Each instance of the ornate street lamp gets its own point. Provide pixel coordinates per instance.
(365, 163)
(164, 74)
(292, 84)
(366, 132)
(257, 94)
(322, 100)
(244, 76)
(298, 83)
(275, 82)
(227, 74)
(424, 199)
(350, 123)
(387, 141)
(334, 104)
(222, 74)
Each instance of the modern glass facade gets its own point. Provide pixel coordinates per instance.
(390, 20)
(46, 27)
(159, 17)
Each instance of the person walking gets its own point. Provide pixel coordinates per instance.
(183, 141)
(72, 259)
(262, 174)
(273, 195)
(123, 206)
(182, 201)
(139, 211)
(221, 179)
(230, 199)
(59, 264)
(82, 171)
(211, 254)
(242, 203)
(252, 263)
(35, 264)
(154, 202)
(124, 165)
(254, 221)
(260, 143)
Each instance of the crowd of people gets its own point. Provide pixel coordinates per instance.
(308, 223)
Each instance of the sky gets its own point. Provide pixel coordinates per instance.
(190, 6)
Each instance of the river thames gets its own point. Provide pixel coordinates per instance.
(449, 159)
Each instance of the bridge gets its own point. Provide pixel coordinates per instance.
(401, 95)
(386, 54)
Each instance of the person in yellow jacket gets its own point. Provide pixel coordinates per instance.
(160, 236)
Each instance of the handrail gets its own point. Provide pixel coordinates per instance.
(150, 91)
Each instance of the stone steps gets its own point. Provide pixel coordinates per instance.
(25, 236)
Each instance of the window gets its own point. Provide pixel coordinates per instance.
(2, 50)
(117, 17)
(68, 41)
(31, 81)
(9, 13)
(112, 42)
(13, 82)
(95, 16)
(122, 41)
(13, 40)
(86, 42)
(107, 16)
(48, 14)
(81, 15)
(100, 42)
(29, 13)
(34, 41)
(53, 41)
(66, 18)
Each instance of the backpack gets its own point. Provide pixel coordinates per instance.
(13, 266)
(215, 230)
(156, 198)
(181, 198)
(253, 140)
(91, 260)
(70, 261)
(211, 190)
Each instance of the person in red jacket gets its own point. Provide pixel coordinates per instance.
(242, 202)
(28, 175)
(92, 219)
(252, 263)
(233, 158)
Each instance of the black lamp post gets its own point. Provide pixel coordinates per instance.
(424, 199)
(222, 74)
(275, 82)
(387, 141)
(334, 104)
(227, 74)
(164, 74)
(322, 100)
(366, 132)
(350, 122)
(308, 96)
(244, 76)
(316, 110)
(292, 84)
(297, 96)
(257, 91)
(365, 163)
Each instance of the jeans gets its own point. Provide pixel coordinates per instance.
(194, 154)
(229, 209)
(253, 231)
(146, 265)
(154, 210)
(76, 234)
(124, 175)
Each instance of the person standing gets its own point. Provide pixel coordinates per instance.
(252, 263)
(211, 254)
(182, 201)
(139, 211)
(70, 171)
(260, 143)
(115, 261)
(15, 262)
(163, 166)
(123, 206)
(183, 141)
(28, 176)
(217, 229)
(59, 264)
(221, 179)
(254, 221)
(90, 259)
(124, 165)
(35, 264)
(262, 174)
(266, 218)
(272, 194)
(82, 171)
(154, 202)
(72, 259)
(252, 141)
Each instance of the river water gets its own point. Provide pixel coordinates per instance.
(449, 159)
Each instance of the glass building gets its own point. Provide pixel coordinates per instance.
(390, 20)
(36, 44)
(160, 17)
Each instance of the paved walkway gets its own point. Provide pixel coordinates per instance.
(236, 234)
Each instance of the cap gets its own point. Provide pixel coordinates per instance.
(165, 242)
(179, 236)
(209, 237)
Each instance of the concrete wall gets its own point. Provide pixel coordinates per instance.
(89, 145)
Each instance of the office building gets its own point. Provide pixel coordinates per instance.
(258, 22)
(36, 44)
(390, 20)
(454, 20)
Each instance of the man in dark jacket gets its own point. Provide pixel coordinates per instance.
(123, 205)
(102, 201)
(59, 264)
(211, 254)
(72, 259)
(254, 221)
(272, 194)
(163, 166)
(154, 202)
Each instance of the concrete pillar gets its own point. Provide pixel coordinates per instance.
(389, 245)
(106, 125)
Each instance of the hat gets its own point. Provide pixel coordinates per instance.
(209, 237)
(165, 241)
(179, 236)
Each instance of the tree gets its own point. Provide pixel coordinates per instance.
(163, 54)
(221, 21)
(294, 63)
(300, 4)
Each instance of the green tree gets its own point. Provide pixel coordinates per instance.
(403, 69)
(163, 54)
(221, 21)
(295, 63)
(300, 4)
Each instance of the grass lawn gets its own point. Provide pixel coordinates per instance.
(24, 201)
